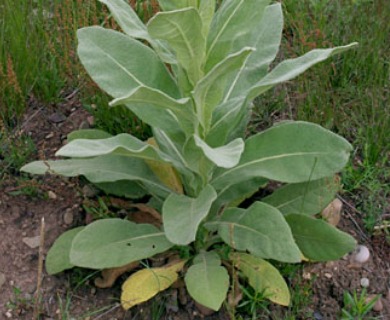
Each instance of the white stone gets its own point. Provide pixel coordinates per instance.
(361, 254)
(32, 242)
(364, 282)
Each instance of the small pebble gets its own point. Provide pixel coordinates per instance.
(68, 217)
(328, 275)
(52, 195)
(8, 314)
(32, 242)
(50, 135)
(361, 254)
(378, 306)
(364, 282)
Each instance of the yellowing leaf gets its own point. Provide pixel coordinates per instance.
(263, 276)
(165, 172)
(145, 284)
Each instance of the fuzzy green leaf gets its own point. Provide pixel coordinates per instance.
(267, 42)
(182, 215)
(87, 134)
(304, 198)
(121, 144)
(105, 55)
(111, 243)
(226, 156)
(182, 29)
(169, 5)
(209, 91)
(261, 230)
(144, 101)
(235, 26)
(291, 68)
(57, 259)
(291, 152)
(207, 281)
(318, 240)
(127, 19)
(107, 168)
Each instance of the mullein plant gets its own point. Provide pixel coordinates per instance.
(191, 73)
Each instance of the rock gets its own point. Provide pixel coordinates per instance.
(364, 282)
(332, 213)
(378, 306)
(2, 279)
(328, 275)
(8, 314)
(52, 195)
(32, 242)
(361, 254)
(89, 191)
(57, 117)
(68, 216)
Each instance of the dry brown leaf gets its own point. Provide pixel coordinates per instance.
(109, 276)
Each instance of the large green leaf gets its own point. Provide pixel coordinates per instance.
(304, 198)
(291, 68)
(110, 243)
(169, 5)
(260, 230)
(127, 19)
(207, 281)
(267, 42)
(206, 11)
(232, 195)
(263, 277)
(226, 156)
(291, 152)
(182, 29)
(87, 134)
(122, 144)
(182, 215)
(209, 91)
(132, 25)
(119, 64)
(234, 26)
(161, 107)
(319, 240)
(57, 259)
(107, 168)
(226, 116)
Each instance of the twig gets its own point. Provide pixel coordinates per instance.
(108, 311)
(29, 119)
(352, 219)
(40, 271)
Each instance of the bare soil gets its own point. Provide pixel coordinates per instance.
(20, 222)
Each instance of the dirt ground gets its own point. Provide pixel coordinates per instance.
(59, 201)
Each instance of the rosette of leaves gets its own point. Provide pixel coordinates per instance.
(191, 73)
